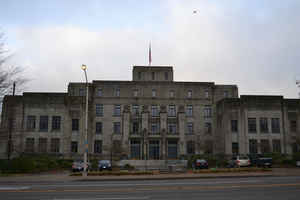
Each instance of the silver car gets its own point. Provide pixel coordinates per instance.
(239, 161)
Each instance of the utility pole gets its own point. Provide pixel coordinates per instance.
(10, 124)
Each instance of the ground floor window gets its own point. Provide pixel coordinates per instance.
(29, 145)
(235, 148)
(190, 147)
(135, 149)
(265, 146)
(172, 149)
(74, 147)
(55, 144)
(98, 146)
(43, 145)
(154, 149)
(276, 146)
(253, 146)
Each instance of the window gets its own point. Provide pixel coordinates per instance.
(166, 76)
(263, 124)
(74, 147)
(189, 94)
(135, 93)
(117, 147)
(75, 124)
(135, 127)
(234, 126)
(98, 146)
(253, 146)
(153, 76)
(139, 75)
(153, 93)
(252, 125)
(293, 126)
(81, 92)
(99, 92)
(117, 92)
(29, 145)
(42, 145)
(135, 149)
(154, 150)
(154, 128)
(44, 123)
(154, 111)
(172, 149)
(275, 125)
(117, 128)
(295, 147)
(225, 94)
(172, 128)
(54, 148)
(135, 110)
(30, 122)
(235, 148)
(172, 94)
(172, 111)
(99, 110)
(56, 123)
(117, 110)
(190, 147)
(276, 146)
(206, 94)
(207, 112)
(207, 127)
(189, 111)
(190, 128)
(208, 147)
(265, 146)
(98, 127)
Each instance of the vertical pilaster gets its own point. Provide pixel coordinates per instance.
(181, 128)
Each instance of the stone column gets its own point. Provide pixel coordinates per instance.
(181, 131)
(126, 129)
(145, 126)
(163, 130)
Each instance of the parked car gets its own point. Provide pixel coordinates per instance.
(239, 161)
(201, 164)
(104, 165)
(264, 162)
(78, 166)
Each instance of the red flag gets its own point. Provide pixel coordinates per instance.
(150, 56)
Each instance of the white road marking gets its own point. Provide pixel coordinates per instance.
(15, 188)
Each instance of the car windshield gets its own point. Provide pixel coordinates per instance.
(104, 162)
(243, 158)
(202, 161)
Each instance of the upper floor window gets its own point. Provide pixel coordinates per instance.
(44, 123)
(226, 94)
(190, 128)
(81, 92)
(153, 76)
(293, 126)
(252, 125)
(117, 92)
(56, 121)
(98, 127)
(206, 94)
(172, 111)
(154, 111)
(155, 128)
(166, 76)
(208, 128)
(135, 109)
(117, 110)
(135, 127)
(263, 125)
(190, 94)
(135, 93)
(189, 110)
(172, 94)
(75, 124)
(99, 110)
(139, 75)
(207, 112)
(171, 127)
(275, 125)
(99, 92)
(30, 122)
(234, 126)
(153, 92)
(117, 127)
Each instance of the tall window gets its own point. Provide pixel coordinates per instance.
(99, 110)
(276, 146)
(99, 92)
(189, 110)
(139, 75)
(117, 110)
(75, 124)
(208, 147)
(154, 149)
(153, 92)
(234, 126)
(117, 92)
(135, 110)
(252, 125)
(30, 122)
(207, 127)
(253, 146)
(135, 127)
(293, 126)
(190, 94)
(190, 128)
(98, 127)
(74, 147)
(29, 145)
(190, 147)
(154, 128)
(172, 149)
(263, 124)
(235, 148)
(154, 111)
(44, 123)
(135, 149)
(42, 145)
(56, 121)
(81, 92)
(98, 146)
(135, 92)
(172, 94)
(117, 128)
(172, 128)
(207, 112)
(206, 95)
(275, 125)
(225, 94)
(172, 111)
(55, 145)
(166, 76)
(265, 146)
(153, 76)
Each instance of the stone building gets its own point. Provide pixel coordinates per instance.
(151, 117)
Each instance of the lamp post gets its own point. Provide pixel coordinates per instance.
(83, 67)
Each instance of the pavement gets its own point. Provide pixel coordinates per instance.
(65, 176)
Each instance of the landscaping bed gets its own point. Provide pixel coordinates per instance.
(114, 173)
(231, 170)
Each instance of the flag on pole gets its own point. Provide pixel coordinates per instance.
(150, 56)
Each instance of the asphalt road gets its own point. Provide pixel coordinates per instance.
(262, 188)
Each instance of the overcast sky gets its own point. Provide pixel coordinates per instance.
(254, 44)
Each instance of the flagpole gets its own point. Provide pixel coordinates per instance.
(150, 56)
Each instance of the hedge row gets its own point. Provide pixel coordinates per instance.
(114, 173)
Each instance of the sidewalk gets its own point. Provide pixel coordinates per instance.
(64, 176)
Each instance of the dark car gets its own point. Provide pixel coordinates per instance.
(78, 166)
(264, 162)
(201, 164)
(104, 165)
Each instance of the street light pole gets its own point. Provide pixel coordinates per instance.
(83, 67)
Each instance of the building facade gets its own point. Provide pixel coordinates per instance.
(151, 117)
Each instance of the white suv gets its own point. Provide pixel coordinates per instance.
(239, 161)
